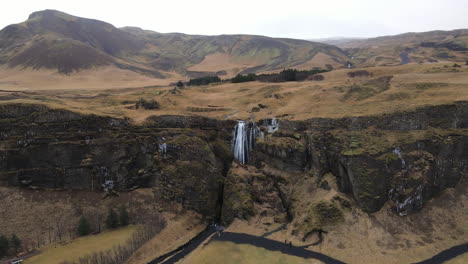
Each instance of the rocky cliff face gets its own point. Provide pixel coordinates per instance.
(405, 158)
(57, 149)
(402, 158)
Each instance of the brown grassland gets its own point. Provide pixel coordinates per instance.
(72, 251)
(359, 238)
(113, 92)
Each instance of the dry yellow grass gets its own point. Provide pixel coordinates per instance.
(72, 251)
(318, 60)
(292, 100)
(382, 237)
(221, 61)
(179, 230)
(462, 259)
(42, 218)
(91, 79)
(230, 253)
(361, 238)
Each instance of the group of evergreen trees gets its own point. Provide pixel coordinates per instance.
(113, 220)
(244, 78)
(291, 75)
(204, 80)
(9, 246)
(286, 75)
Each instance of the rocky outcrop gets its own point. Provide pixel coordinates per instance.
(402, 158)
(405, 158)
(249, 192)
(58, 149)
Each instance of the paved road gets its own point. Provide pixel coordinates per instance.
(446, 254)
(273, 245)
(185, 249)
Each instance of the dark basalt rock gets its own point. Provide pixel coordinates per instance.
(58, 149)
(186, 159)
(421, 169)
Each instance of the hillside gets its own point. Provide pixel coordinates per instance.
(230, 54)
(432, 46)
(366, 165)
(54, 40)
(378, 158)
(387, 90)
(336, 41)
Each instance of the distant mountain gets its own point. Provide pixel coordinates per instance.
(336, 41)
(52, 39)
(56, 40)
(421, 47)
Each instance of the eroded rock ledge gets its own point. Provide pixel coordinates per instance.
(405, 158)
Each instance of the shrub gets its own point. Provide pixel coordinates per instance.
(123, 216)
(148, 105)
(15, 243)
(83, 226)
(4, 246)
(112, 220)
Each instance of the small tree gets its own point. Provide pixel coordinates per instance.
(112, 220)
(123, 216)
(83, 226)
(15, 243)
(180, 84)
(4, 246)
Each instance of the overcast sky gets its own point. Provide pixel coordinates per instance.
(306, 19)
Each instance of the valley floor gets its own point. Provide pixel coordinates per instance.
(362, 238)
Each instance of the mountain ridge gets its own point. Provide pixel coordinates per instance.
(148, 51)
(421, 47)
(52, 39)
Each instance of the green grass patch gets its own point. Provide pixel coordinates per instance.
(230, 253)
(83, 246)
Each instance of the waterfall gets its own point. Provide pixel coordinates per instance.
(243, 141)
(239, 143)
(397, 151)
(272, 125)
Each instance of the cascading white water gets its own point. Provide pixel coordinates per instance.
(272, 125)
(240, 145)
(398, 152)
(243, 141)
(245, 135)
